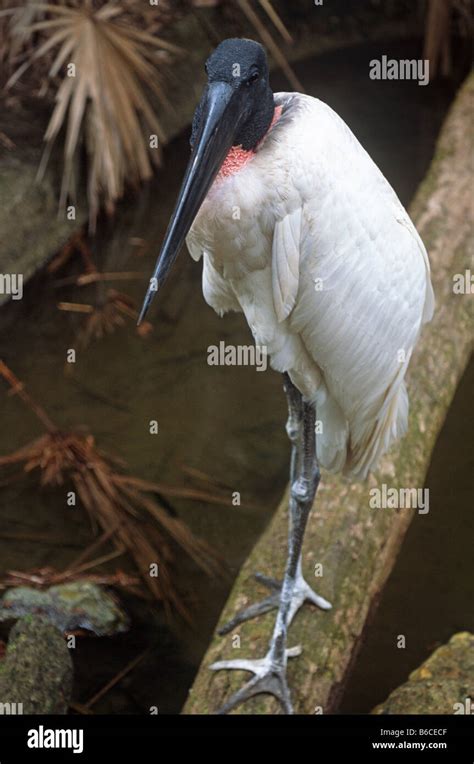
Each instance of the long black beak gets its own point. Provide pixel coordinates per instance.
(219, 122)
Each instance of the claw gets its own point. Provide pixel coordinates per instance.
(302, 593)
(269, 679)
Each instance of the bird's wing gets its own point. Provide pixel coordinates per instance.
(363, 288)
(286, 263)
(404, 219)
(217, 291)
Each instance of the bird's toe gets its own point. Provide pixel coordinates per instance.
(268, 679)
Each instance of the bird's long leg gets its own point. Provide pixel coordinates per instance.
(302, 591)
(270, 672)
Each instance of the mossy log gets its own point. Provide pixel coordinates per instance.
(441, 685)
(36, 673)
(356, 545)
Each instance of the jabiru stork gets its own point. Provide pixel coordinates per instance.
(298, 229)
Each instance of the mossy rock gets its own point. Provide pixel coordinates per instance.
(443, 684)
(70, 606)
(36, 673)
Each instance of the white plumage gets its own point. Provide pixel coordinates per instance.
(311, 243)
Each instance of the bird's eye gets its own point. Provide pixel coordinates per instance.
(253, 78)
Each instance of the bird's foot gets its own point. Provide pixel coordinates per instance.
(269, 679)
(302, 593)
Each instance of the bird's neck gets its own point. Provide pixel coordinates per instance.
(252, 131)
(238, 157)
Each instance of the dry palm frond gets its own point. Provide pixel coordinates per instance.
(109, 314)
(93, 276)
(76, 244)
(112, 308)
(43, 578)
(107, 317)
(103, 97)
(114, 500)
(19, 18)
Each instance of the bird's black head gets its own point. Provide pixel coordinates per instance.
(242, 65)
(236, 109)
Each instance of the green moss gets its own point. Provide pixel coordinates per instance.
(440, 685)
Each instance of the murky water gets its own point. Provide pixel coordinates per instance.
(225, 421)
